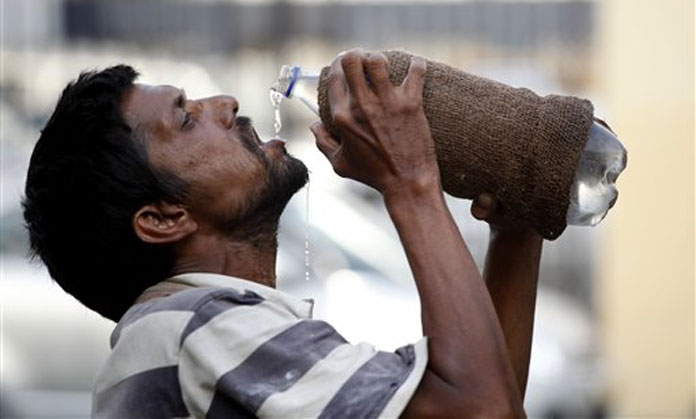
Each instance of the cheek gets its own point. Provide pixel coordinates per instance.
(228, 180)
(207, 164)
(222, 174)
(241, 171)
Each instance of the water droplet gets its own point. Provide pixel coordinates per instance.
(306, 250)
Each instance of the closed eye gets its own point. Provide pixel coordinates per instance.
(188, 121)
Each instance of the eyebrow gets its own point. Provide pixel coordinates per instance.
(180, 99)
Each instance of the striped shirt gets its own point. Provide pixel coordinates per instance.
(227, 347)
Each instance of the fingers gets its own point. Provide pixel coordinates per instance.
(325, 142)
(484, 207)
(413, 83)
(377, 69)
(353, 69)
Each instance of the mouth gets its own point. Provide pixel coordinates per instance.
(275, 144)
(246, 127)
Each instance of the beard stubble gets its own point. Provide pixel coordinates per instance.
(285, 175)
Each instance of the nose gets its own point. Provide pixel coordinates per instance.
(227, 108)
(613, 201)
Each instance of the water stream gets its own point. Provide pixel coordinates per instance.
(276, 97)
(306, 242)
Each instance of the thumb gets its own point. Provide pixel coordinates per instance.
(325, 142)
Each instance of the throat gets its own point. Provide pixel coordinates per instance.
(251, 258)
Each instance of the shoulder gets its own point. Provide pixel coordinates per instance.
(301, 368)
(150, 334)
(167, 314)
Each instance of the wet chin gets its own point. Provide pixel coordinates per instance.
(286, 177)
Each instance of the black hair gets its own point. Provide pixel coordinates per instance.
(88, 176)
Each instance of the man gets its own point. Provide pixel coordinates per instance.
(160, 213)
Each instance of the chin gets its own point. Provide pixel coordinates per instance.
(286, 176)
(292, 176)
(286, 173)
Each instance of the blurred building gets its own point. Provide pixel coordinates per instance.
(645, 70)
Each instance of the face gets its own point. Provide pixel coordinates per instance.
(233, 177)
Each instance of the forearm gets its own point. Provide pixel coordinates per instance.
(511, 275)
(466, 346)
(383, 140)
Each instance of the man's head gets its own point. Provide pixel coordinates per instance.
(124, 173)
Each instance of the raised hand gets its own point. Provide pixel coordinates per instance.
(486, 207)
(383, 139)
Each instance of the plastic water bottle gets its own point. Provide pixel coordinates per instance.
(295, 82)
(593, 191)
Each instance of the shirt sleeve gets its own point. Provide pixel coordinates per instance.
(271, 368)
(352, 381)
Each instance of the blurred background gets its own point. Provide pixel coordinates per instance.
(614, 335)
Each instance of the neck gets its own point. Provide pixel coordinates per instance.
(251, 257)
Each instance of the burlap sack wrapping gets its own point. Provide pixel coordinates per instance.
(491, 137)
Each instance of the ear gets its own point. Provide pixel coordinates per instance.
(163, 223)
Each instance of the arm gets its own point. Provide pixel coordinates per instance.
(385, 142)
(511, 273)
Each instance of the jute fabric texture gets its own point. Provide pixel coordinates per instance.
(491, 137)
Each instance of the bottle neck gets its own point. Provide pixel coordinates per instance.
(294, 82)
